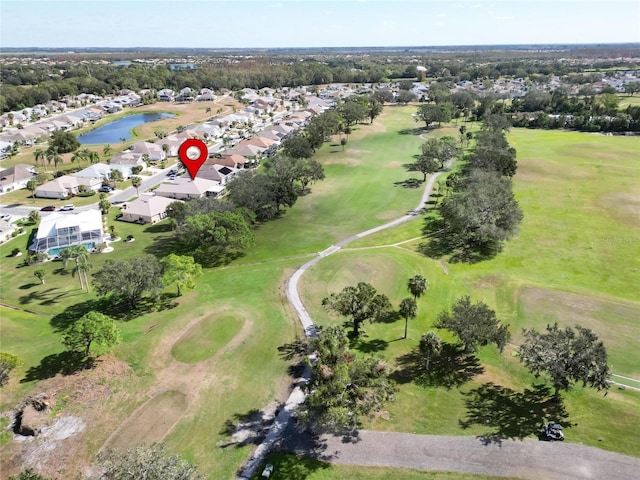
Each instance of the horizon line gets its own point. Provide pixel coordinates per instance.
(603, 43)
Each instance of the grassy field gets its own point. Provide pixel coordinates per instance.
(290, 467)
(360, 190)
(574, 261)
(215, 348)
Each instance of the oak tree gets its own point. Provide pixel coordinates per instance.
(360, 303)
(567, 356)
(474, 324)
(93, 329)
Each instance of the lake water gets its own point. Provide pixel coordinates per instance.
(114, 132)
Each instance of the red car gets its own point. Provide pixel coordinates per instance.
(48, 208)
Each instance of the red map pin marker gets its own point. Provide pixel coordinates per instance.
(193, 164)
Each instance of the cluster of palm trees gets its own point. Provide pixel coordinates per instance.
(430, 344)
(51, 155)
(80, 257)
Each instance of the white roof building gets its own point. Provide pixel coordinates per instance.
(60, 230)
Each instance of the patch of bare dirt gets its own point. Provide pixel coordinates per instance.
(343, 160)
(488, 282)
(58, 421)
(623, 206)
(177, 389)
(151, 422)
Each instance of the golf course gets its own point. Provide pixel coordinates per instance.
(209, 360)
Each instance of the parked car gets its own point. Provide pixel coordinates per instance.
(105, 189)
(5, 217)
(67, 208)
(48, 208)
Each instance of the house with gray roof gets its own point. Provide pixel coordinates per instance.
(15, 178)
(147, 208)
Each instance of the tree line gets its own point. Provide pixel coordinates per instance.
(480, 211)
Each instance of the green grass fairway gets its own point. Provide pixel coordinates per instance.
(205, 338)
(438, 409)
(358, 193)
(574, 261)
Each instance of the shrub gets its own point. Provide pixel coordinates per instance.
(90, 193)
(15, 252)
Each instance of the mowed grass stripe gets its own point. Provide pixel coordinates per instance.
(358, 192)
(205, 338)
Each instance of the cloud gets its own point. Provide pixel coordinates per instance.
(477, 5)
(442, 15)
(276, 5)
(504, 18)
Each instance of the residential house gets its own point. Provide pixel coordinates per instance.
(5, 149)
(153, 150)
(271, 135)
(250, 152)
(6, 229)
(233, 161)
(101, 171)
(147, 208)
(205, 95)
(183, 188)
(14, 178)
(269, 146)
(212, 171)
(67, 186)
(73, 120)
(111, 107)
(173, 143)
(125, 161)
(21, 137)
(185, 95)
(58, 231)
(207, 131)
(166, 95)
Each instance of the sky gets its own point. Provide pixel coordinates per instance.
(309, 23)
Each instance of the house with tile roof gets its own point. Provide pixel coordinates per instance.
(147, 208)
(16, 177)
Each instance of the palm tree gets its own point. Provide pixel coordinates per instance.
(430, 344)
(40, 155)
(136, 182)
(165, 149)
(53, 156)
(31, 186)
(208, 110)
(408, 309)
(82, 267)
(107, 150)
(80, 256)
(78, 155)
(417, 285)
(92, 156)
(40, 273)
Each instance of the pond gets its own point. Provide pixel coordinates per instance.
(114, 132)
